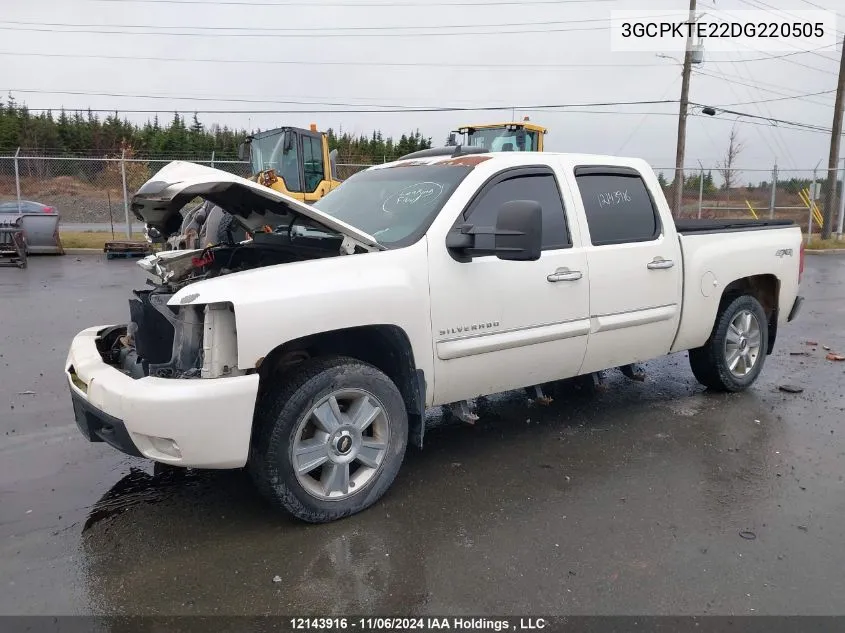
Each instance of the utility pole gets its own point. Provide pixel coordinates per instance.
(833, 158)
(678, 185)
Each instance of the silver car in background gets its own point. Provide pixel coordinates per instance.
(40, 224)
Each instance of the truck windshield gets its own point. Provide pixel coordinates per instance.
(396, 205)
(502, 140)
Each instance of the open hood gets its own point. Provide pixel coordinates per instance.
(159, 200)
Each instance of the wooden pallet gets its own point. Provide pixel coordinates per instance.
(126, 248)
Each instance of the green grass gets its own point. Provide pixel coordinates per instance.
(93, 239)
(85, 239)
(816, 243)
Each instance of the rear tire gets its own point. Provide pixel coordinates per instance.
(330, 441)
(733, 356)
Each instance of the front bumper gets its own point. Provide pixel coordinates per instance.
(197, 422)
(796, 308)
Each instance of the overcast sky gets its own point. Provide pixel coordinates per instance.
(435, 70)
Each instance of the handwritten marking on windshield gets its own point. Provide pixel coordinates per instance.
(612, 198)
(425, 192)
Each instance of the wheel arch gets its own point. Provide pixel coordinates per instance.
(386, 347)
(766, 289)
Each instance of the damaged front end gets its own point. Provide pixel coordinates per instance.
(166, 342)
(191, 340)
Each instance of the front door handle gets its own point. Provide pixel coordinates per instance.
(658, 263)
(564, 274)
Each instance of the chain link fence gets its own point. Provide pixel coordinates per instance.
(713, 192)
(91, 190)
(85, 190)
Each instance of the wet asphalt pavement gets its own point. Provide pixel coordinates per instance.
(653, 498)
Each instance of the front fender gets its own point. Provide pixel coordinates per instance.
(276, 304)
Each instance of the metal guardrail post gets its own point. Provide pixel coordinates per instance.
(125, 194)
(212, 158)
(774, 192)
(18, 179)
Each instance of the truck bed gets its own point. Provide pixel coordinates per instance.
(687, 227)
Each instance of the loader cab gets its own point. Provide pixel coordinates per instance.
(518, 136)
(294, 161)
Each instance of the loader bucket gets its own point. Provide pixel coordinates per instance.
(41, 231)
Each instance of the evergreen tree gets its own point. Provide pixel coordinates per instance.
(86, 133)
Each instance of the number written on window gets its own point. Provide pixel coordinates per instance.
(610, 198)
(619, 208)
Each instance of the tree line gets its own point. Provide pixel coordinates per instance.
(787, 185)
(85, 133)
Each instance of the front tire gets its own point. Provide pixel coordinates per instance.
(330, 441)
(733, 356)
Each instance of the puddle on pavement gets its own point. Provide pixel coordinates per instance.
(140, 487)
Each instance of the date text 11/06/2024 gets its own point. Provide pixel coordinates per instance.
(417, 623)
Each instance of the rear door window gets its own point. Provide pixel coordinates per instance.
(618, 205)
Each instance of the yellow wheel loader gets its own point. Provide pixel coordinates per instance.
(517, 136)
(291, 160)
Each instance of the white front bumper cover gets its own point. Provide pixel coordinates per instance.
(196, 422)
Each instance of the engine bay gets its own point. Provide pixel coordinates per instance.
(168, 341)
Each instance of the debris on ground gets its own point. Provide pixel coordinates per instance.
(748, 535)
(277, 579)
(799, 353)
(634, 371)
(825, 348)
(813, 343)
(833, 356)
(803, 528)
(26, 393)
(791, 389)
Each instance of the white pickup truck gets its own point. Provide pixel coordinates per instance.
(310, 352)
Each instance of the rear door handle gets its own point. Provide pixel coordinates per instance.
(564, 274)
(658, 263)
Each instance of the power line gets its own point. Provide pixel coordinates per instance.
(639, 124)
(320, 102)
(783, 57)
(809, 126)
(813, 4)
(332, 63)
(718, 118)
(793, 53)
(285, 100)
(275, 30)
(763, 6)
(754, 83)
(556, 106)
(387, 64)
(751, 85)
(305, 3)
(776, 135)
(299, 35)
(801, 96)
